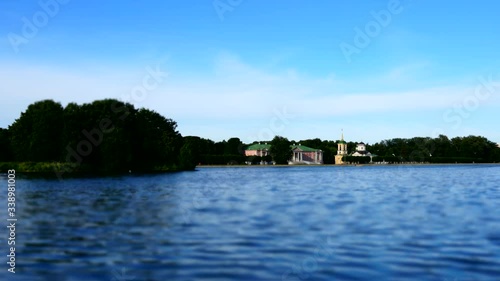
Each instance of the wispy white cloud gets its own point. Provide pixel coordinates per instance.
(236, 96)
(404, 73)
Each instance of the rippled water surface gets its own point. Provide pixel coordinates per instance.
(271, 223)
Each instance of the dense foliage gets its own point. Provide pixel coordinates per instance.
(280, 150)
(102, 136)
(5, 148)
(356, 159)
(208, 152)
(36, 135)
(470, 149)
(437, 150)
(112, 136)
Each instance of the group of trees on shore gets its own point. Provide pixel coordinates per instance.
(441, 149)
(232, 151)
(102, 136)
(207, 152)
(112, 136)
(469, 149)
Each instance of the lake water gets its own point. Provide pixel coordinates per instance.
(262, 223)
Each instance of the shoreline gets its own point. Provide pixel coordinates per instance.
(84, 174)
(68, 170)
(344, 165)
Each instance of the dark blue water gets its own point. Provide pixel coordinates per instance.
(275, 223)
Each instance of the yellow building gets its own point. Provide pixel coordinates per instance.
(341, 150)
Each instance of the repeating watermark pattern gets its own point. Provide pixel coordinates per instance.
(223, 6)
(153, 78)
(11, 220)
(122, 275)
(130, 199)
(311, 264)
(214, 186)
(454, 117)
(31, 26)
(150, 82)
(363, 37)
(486, 87)
(277, 124)
(482, 92)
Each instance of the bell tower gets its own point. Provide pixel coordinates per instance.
(341, 150)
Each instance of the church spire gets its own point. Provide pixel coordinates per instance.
(341, 149)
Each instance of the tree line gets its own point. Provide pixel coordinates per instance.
(441, 149)
(103, 136)
(112, 136)
(469, 149)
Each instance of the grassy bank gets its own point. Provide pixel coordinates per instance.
(35, 167)
(64, 169)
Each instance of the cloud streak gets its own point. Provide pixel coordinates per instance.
(234, 94)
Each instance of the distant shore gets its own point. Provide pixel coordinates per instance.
(343, 165)
(55, 170)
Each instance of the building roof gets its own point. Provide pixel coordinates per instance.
(341, 141)
(258, 146)
(303, 148)
(361, 143)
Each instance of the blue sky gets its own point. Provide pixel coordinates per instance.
(255, 69)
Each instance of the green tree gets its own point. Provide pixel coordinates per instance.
(356, 159)
(438, 150)
(255, 160)
(280, 150)
(110, 130)
(313, 143)
(102, 136)
(220, 147)
(156, 141)
(36, 134)
(187, 156)
(74, 122)
(442, 146)
(233, 146)
(267, 158)
(201, 148)
(5, 148)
